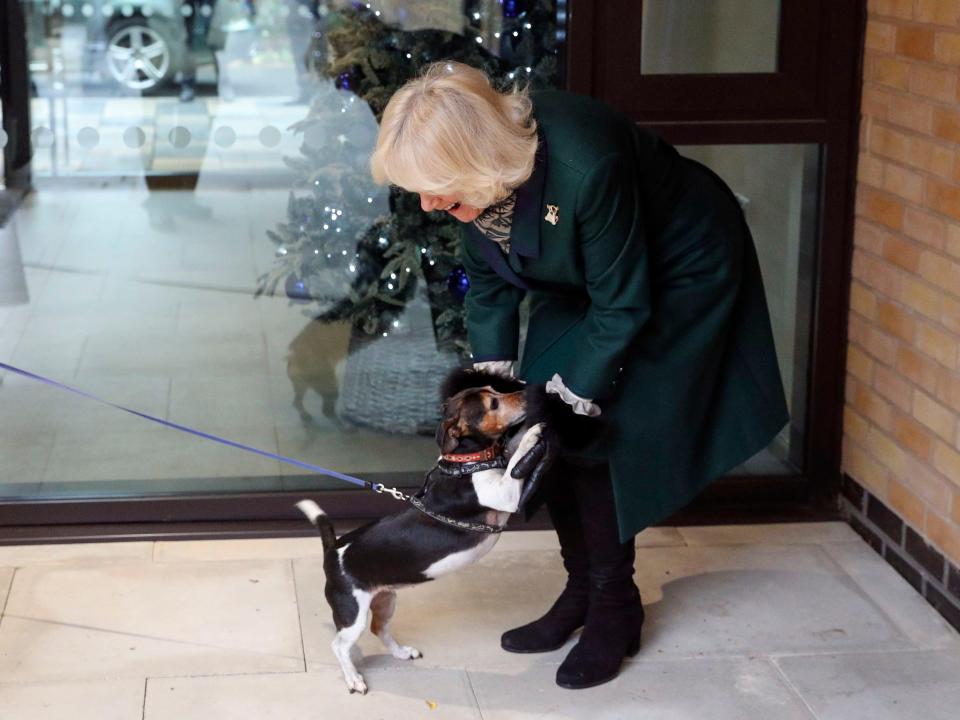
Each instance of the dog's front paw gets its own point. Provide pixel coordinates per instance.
(355, 683)
(405, 652)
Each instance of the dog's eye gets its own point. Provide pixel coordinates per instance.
(494, 403)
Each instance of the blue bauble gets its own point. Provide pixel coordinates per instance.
(296, 290)
(510, 9)
(458, 283)
(343, 81)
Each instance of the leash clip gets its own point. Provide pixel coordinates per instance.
(397, 495)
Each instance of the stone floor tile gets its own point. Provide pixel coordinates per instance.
(85, 700)
(220, 550)
(133, 619)
(22, 555)
(749, 599)
(778, 533)
(394, 693)
(878, 686)
(894, 595)
(719, 689)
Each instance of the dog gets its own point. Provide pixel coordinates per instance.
(496, 443)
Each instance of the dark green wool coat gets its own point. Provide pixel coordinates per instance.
(645, 295)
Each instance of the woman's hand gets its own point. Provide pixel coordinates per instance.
(503, 368)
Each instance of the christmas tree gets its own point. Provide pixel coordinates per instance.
(347, 250)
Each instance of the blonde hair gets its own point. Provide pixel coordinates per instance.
(449, 132)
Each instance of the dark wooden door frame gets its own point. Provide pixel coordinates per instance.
(824, 110)
(811, 99)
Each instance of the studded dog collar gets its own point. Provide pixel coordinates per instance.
(453, 522)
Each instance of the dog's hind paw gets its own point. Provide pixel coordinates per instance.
(355, 683)
(405, 652)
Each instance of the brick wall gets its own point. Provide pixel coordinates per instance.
(901, 448)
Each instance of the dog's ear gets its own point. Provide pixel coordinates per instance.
(448, 435)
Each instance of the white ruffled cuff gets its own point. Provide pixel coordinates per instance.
(499, 367)
(581, 406)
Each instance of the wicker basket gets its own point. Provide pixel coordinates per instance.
(391, 383)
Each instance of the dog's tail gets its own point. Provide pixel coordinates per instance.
(319, 518)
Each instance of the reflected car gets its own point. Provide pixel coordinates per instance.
(139, 46)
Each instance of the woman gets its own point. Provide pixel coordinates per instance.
(646, 307)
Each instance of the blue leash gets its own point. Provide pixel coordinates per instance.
(376, 487)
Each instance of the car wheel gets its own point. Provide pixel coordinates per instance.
(139, 56)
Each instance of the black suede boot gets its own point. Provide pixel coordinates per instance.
(615, 614)
(569, 611)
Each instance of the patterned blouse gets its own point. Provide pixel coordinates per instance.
(495, 222)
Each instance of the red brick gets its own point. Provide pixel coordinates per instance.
(881, 36)
(905, 503)
(859, 364)
(870, 170)
(866, 402)
(893, 388)
(910, 112)
(885, 451)
(919, 369)
(890, 143)
(855, 425)
(924, 227)
(876, 274)
(940, 12)
(942, 197)
(937, 344)
(890, 72)
(937, 269)
(927, 483)
(952, 243)
(913, 436)
(946, 48)
(895, 321)
(950, 390)
(920, 297)
(902, 253)
(881, 207)
(950, 314)
(874, 102)
(932, 82)
(903, 182)
(864, 469)
(947, 460)
(944, 535)
(934, 415)
(882, 347)
(915, 42)
(946, 124)
(894, 8)
(862, 300)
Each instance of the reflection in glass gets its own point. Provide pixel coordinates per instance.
(777, 188)
(213, 251)
(709, 36)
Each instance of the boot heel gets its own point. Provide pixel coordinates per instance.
(634, 647)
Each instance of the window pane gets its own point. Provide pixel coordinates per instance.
(777, 187)
(709, 36)
(204, 241)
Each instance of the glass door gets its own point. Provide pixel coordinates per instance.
(203, 244)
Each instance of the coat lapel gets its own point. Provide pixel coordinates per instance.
(525, 228)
